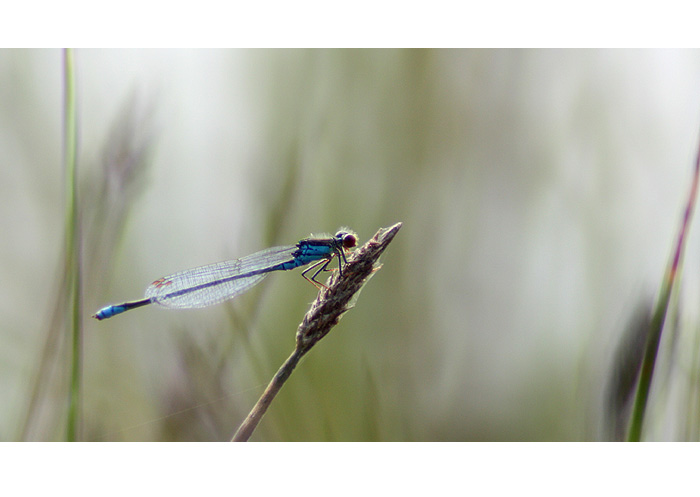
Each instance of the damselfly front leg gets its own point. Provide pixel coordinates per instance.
(323, 263)
(324, 267)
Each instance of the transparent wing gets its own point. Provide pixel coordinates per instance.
(207, 285)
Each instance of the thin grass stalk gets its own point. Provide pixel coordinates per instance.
(325, 312)
(659, 317)
(72, 253)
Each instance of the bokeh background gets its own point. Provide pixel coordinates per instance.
(540, 190)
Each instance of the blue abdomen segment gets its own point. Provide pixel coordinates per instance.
(109, 311)
(113, 310)
(308, 251)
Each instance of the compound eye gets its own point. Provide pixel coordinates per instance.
(349, 240)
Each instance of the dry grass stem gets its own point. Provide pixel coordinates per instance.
(325, 312)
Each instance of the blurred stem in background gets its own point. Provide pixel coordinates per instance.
(659, 317)
(104, 208)
(73, 241)
(65, 316)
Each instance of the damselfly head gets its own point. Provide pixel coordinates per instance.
(347, 238)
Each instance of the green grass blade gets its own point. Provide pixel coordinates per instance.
(646, 374)
(72, 255)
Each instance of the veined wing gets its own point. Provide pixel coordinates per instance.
(207, 285)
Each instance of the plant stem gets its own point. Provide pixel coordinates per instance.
(72, 256)
(330, 304)
(634, 432)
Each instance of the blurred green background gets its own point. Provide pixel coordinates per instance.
(540, 191)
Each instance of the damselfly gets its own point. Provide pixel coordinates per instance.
(208, 285)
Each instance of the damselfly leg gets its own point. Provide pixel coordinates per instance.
(324, 267)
